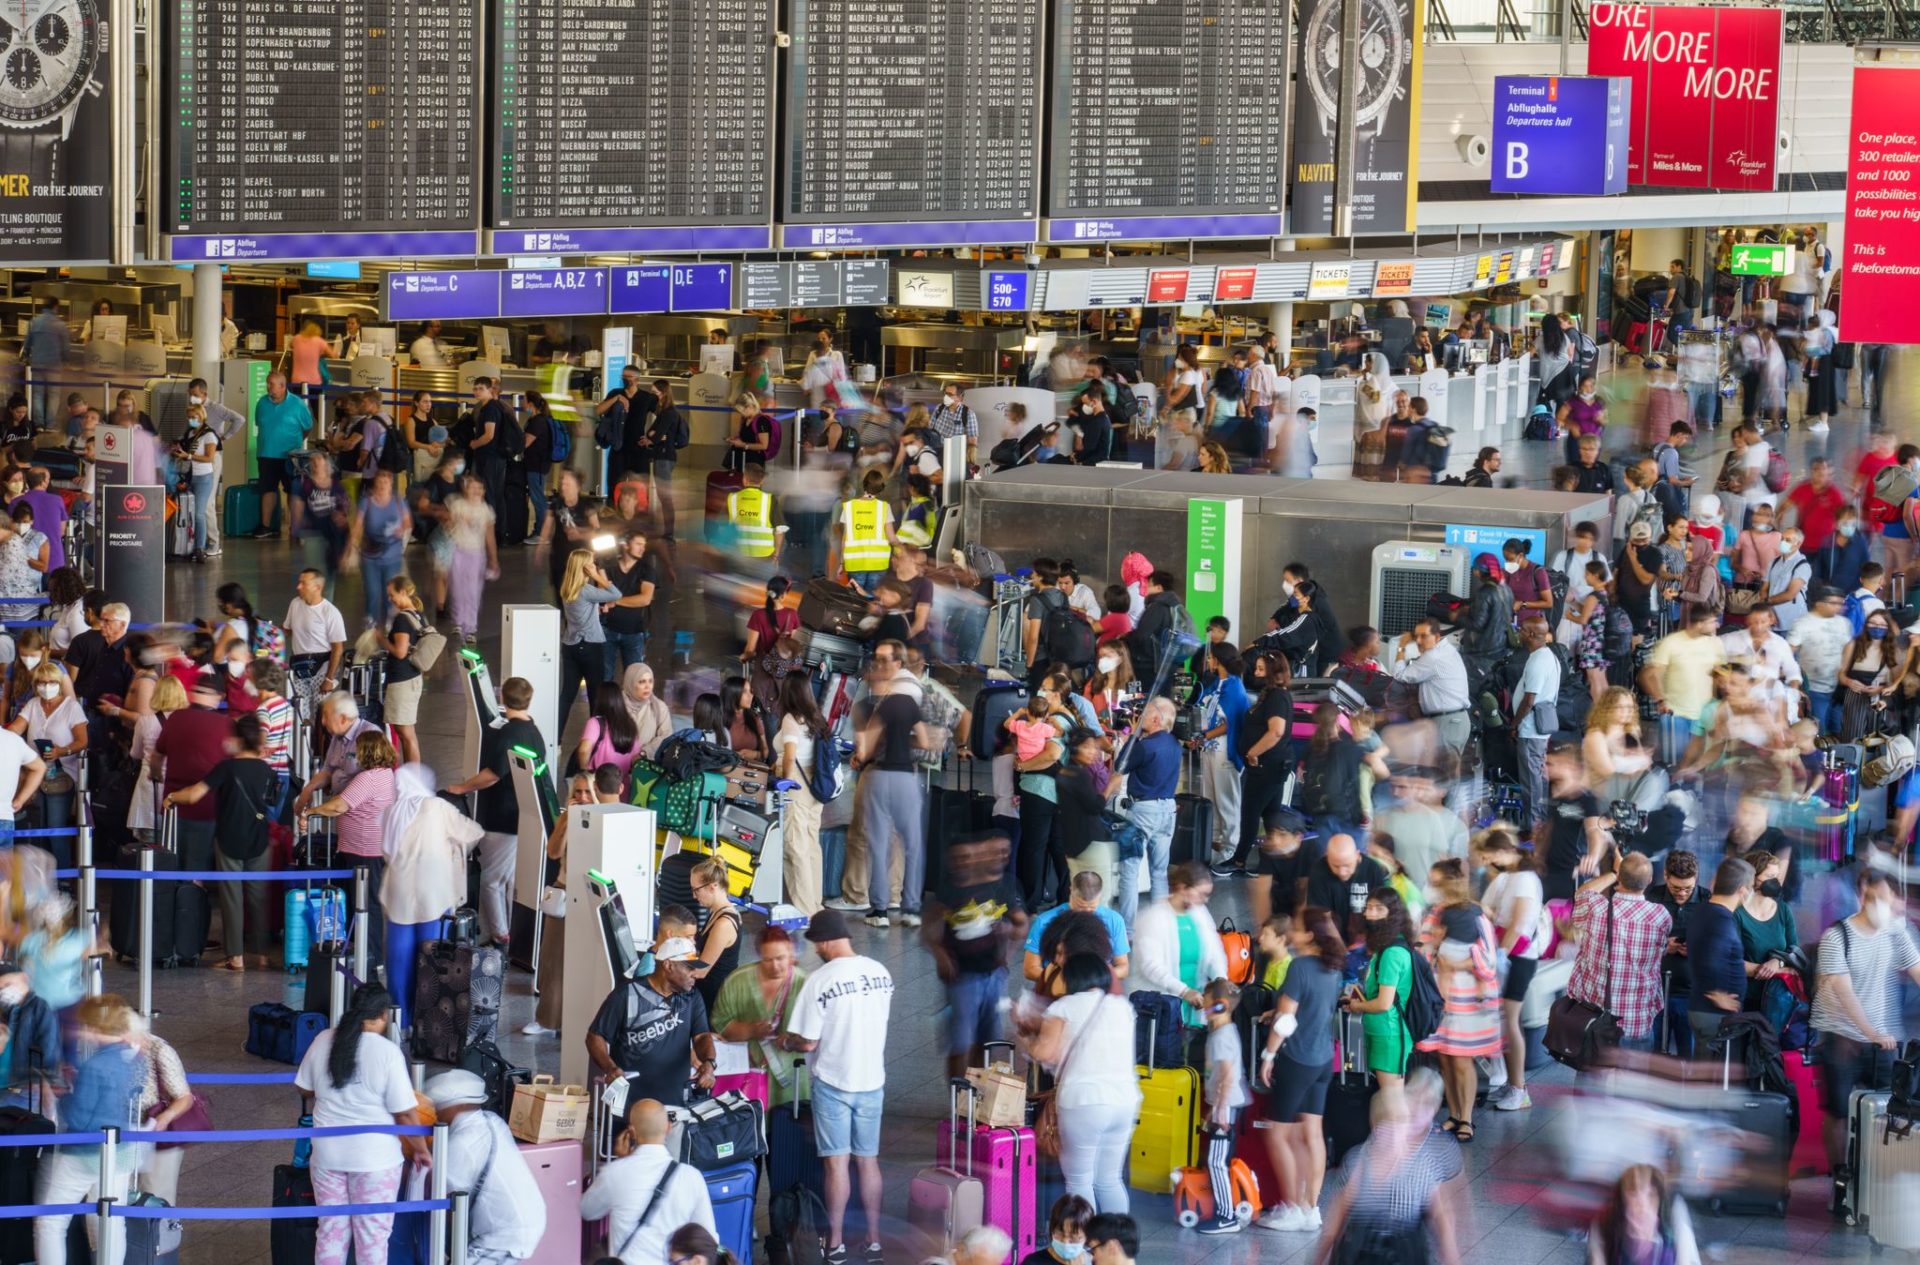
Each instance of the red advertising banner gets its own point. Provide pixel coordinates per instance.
(1169, 285)
(1710, 76)
(1881, 261)
(1233, 285)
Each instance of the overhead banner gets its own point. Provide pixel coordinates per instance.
(56, 164)
(1386, 174)
(1705, 101)
(1881, 261)
(1556, 134)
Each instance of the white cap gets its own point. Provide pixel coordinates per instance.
(456, 1089)
(676, 949)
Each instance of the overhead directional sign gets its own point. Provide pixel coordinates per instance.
(1762, 259)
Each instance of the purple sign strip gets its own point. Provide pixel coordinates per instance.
(641, 288)
(554, 292)
(910, 233)
(471, 294)
(571, 241)
(1149, 227)
(230, 247)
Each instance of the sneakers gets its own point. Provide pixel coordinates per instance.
(875, 1255)
(1289, 1219)
(878, 918)
(846, 906)
(909, 918)
(1817, 428)
(1224, 868)
(836, 1255)
(1496, 1070)
(535, 1030)
(1510, 1098)
(1232, 1225)
(1310, 1220)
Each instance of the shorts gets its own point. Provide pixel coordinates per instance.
(973, 1007)
(846, 1123)
(1519, 978)
(276, 473)
(1298, 1090)
(1851, 1065)
(402, 701)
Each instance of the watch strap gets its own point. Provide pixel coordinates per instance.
(33, 153)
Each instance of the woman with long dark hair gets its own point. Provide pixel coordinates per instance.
(767, 628)
(795, 748)
(1296, 1065)
(239, 622)
(710, 718)
(1085, 1040)
(1643, 1223)
(1381, 994)
(1330, 777)
(1266, 747)
(611, 737)
(346, 1080)
(746, 727)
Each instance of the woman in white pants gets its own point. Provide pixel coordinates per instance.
(1086, 1041)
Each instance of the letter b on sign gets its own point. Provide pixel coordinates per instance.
(1517, 164)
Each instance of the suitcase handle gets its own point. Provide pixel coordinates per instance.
(955, 1088)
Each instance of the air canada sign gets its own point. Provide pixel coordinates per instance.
(1706, 90)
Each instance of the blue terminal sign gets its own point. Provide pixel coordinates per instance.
(1008, 291)
(554, 292)
(468, 294)
(1559, 134)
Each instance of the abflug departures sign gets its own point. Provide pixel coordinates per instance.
(56, 152)
(1555, 134)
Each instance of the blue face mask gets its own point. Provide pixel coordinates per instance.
(1067, 1251)
(1876, 633)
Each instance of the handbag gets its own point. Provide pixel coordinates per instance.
(193, 1120)
(553, 901)
(1740, 601)
(1577, 1031)
(1046, 1121)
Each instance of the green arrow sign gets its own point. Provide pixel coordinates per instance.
(1761, 259)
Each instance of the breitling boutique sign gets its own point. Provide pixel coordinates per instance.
(55, 133)
(1386, 103)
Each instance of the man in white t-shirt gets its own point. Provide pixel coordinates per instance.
(21, 769)
(316, 635)
(840, 1021)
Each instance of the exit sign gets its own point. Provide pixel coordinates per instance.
(1762, 259)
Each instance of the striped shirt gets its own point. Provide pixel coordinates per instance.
(276, 719)
(368, 797)
(1872, 962)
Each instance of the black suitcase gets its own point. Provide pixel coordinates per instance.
(1192, 829)
(322, 976)
(1156, 1030)
(292, 1237)
(952, 813)
(19, 1175)
(996, 701)
(1349, 1116)
(182, 914)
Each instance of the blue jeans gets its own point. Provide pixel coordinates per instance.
(374, 573)
(1824, 710)
(1154, 819)
(1675, 733)
(973, 1002)
(537, 493)
(833, 860)
(403, 945)
(1675, 1027)
(846, 1123)
(202, 508)
(629, 649)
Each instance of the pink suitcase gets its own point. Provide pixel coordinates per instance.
(1006, 1162)
(753, 1086)
(556, 1171)
(1809, 1148)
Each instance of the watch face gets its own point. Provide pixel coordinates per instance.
(48, 49)
(1384, 58)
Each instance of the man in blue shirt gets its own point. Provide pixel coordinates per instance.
(1085, 895)
(1715, 953)
(1152, 764)
(1223, 703)
(45, 350)
(105, 1095)
(280, 422)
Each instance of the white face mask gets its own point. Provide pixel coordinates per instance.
(29, 661)
(13, 995)
(1879, 913)
(1087, 409)
(1586, 395)
(47, 691)
(235, 668)
(1109, 662)
(197, 399)
(1286, 586)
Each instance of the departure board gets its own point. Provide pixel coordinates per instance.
(913, 122)
(615, 114)
(348, 119)
(1171, 114)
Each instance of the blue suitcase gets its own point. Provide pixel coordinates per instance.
(732, 1191)
(792, 1159)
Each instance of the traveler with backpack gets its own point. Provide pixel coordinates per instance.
(549, 442)
(797, 752)
(1683, 299)
(1381, 996)
(1857, 1003)
(1623, 938)
(1053, 631)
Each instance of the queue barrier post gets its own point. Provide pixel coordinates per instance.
(90, 922)
(457, 1248)
(337, 1003)
(361, 882)
(108, 1184)
(437, 1187)
(146, 935)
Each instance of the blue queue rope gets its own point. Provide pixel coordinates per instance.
(155, 1212)
(224, 876)
(9, 1211)
(47, 832)
(241, 1078)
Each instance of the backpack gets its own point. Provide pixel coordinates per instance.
(1652, 515)
(559, 440)
(1690, 292)
(394, 455)
(1424, 1006)
(1005, 453)
(1778, 473)
(686, 754)
(795, 1219)
(1428, 444)
(1540, 425)
(1125, 406)
(1557, 586)
(1065, 637)
(508, 437)
(608, 428)
(681, 435)
(1617, 637)
(269, 641)
(829, 776)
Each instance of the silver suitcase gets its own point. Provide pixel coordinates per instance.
(1884, 1190)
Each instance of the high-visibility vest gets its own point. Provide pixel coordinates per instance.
(864, 542)
(750, 510)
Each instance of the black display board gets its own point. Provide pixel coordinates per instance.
(344, 117)
(913, 112)
(816, 283)
(620, 113)
(1168, 108)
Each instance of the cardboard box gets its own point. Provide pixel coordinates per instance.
(546, 1112)
(1000, 1096)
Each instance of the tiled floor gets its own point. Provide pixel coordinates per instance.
(204, 1014)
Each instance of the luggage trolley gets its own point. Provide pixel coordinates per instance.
(1006, 621)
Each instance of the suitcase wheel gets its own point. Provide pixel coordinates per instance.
(1189, 1219)
(1243, 1210)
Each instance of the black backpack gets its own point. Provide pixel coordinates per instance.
(394, 454)
(1690, 292)
(1064, 636)
(1125, 406)
(795, 1220)
(509, 440)
(1424, 1006)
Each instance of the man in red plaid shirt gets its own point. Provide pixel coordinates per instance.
(1638, 934)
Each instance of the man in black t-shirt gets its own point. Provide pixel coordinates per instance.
(976, 914)
(1281, 865)
(655, 1030)
(498, 809)
(243, 788)
(485, 452)
(1341, 881)
(1680, 895)
(1576, 824)
(891, 801)
(628, 622)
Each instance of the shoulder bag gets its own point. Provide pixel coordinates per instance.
(1046, 1120)
(1578, 1031)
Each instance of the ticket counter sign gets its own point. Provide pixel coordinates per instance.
(1168, 285)
(1881, 261)
(1330, 281)
(1391, 279)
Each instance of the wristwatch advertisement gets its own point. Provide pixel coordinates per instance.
(1386, 71)
(55, 132)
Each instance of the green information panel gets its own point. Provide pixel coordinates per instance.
(1213, 560)
(1762, 259)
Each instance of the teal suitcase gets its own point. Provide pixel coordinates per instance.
(242, 515)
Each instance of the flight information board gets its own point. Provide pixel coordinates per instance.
(913, 122)
(1169, 118)
(294, 124)
(816, 283)
(622, 117)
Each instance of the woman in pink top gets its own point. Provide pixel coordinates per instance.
(611, 737)
(305, 351)
(358, 811)
(1756, 548)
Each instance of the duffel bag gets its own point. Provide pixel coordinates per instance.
(832, 608)
(722, 1131)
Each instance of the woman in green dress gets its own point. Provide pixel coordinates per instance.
(1766, 925)
(1381, 995)
(753, 1008)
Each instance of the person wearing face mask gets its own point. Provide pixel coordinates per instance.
(1755, 548)
(824, 370)
(1095, 424)
(1066, 1233)
(1766, 923)
(55, 726)
(920, 454)
(1838, 562)
(1857, 1011)
(225, 423)
(1787, 580)
(1867, 677)
(244, 787)
(24, 554)
(953, 417)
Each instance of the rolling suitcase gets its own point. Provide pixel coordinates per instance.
(1348, 1119)
(456, 999)
(944, 1202)
(1809, 1147)
(242, 512)
(1882, 1169)
(1167, 1137)
(1004, 1158)
(1753, 1126)
(731, 1191)
(292, 1237)
(1156, 1029)
(19, 1179)
(792, 1158)
(720, 485)
(833, 611)
(996, 701)
(556, 1172)
(1192, 829)
(182, 536)
(152, 1240)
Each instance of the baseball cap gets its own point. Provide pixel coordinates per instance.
(1289, 822)
(825, 926)
(676, 949)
